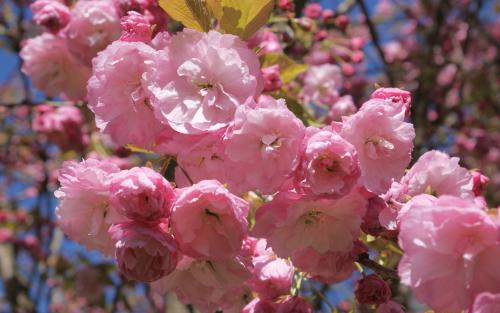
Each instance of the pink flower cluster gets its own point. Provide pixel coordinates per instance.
(191, 240)
(60, 59)
(199, 97)
(62, 126)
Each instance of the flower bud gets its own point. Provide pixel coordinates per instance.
(342, 21)
(287, 5)
(144, 253)
(142, 194)
(479, 182)
(372, 290)
(272, 79)
(312, 10)
(50, 14)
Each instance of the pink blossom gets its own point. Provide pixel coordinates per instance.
(357, 43)
(389, 307)
(264, 143)
(330, 267)
(207, 285)
(486, 303)
(317, 57)
(144, 252)
(208, 221)
(291, 222)
(51, 14)
(312, 10)
(450, 245)
(394, 51)
(385, 8)
(197, 87)
(94, 24)
(329, 164)
(52, 68)
(6, 235)
(202, 160)
(399, 99)
(384, 143)
(344, 106)
(62, 125)
(84, 212)
(135, 27)
(142, 195)
(447, 75)
(435, 173)
(271, 276)
(117, 94)
(149, 9)
(266, 41)
(272, 79)
(322, 84)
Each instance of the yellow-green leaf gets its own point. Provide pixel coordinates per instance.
(241, 17)
(192, 14)
(135, 148)
(288, 67)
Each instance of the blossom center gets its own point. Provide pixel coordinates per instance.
(313, 216)
(378, 147)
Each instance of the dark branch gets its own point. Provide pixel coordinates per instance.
(376, 41)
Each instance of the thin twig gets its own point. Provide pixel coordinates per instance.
(376, 40)
(385, 272)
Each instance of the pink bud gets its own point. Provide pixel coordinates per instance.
(51, 14)
(272, 79)
(357, 43)
(357, 56)
(396, 96)
(287, 5)
(342, 21)
(312, 10)
(144, 253)
(142, 194)
(327, 14)
(320, 35)
(479, 181)
(372, 290)
(348, 69)
(371, 224)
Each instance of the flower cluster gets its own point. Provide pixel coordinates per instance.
(260, 195)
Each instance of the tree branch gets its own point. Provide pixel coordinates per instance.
(385, 272)
(376, 41)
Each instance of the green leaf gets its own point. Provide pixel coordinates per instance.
(135, 148)
(193, 14)
(241, 17)
(288, 67)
